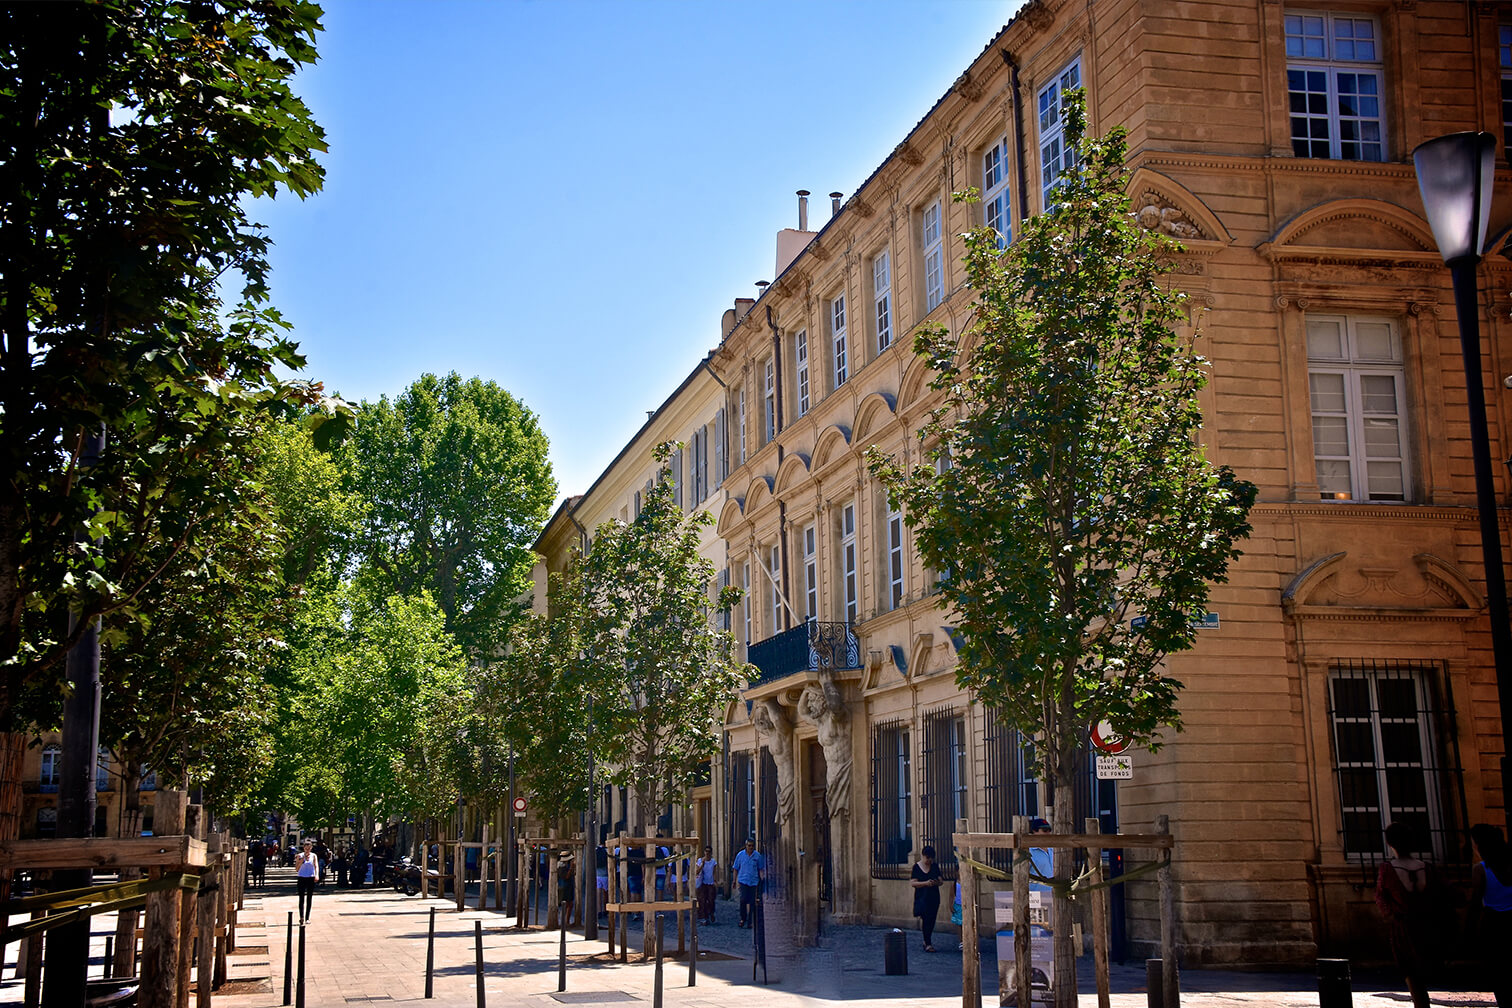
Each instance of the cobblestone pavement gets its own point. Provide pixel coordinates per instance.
(367, 947)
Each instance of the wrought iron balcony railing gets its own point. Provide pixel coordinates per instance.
(813, 646)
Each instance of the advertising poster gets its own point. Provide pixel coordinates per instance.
(1041, 953)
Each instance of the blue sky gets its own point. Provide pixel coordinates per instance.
(564, 197)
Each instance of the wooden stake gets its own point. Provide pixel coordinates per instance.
(1021, 968)
(160, 950)
(971, 963)
(1099, 922)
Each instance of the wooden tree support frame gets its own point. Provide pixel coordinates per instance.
(490, 866)
(684, 851)
(178, 918)
(526, 848)
(971, 845)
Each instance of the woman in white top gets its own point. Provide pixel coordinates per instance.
(307, 875)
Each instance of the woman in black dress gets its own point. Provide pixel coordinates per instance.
(925, 879)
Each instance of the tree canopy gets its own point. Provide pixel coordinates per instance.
(457, 483)
(131, 135)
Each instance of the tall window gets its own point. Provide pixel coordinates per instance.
(724, 614)
(1504, 53)
(1333, 83)
(698, 465)
(47, 822)
(768, 401)
(837, 338)
(52, 761)
(882, 299)
(849, 574)
(1356, 380)
(1009, 787)
(934, 257)
(810, 572)
(741, 409)
(721, 452)
(995, 195)
(944, 797)
(102, 769)
(774, 583)
(742, 799)
(1386, 721)
(894, 559)
(892, 794)
(1056, 156)
(800, 352)
(745, 598)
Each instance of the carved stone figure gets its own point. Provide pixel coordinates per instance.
(824, 707)
(776, 733)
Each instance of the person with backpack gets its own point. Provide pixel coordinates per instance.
(1411, 900)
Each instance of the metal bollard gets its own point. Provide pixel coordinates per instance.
(656, 991)
(430, 957)
(693, 958)
(478, 948)
(1334, 984)
(895, 953)
(289, 962)
(299, 985)
(1155, 985)
(562, 948)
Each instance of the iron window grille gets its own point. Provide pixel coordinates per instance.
(742, 800)
(943, 798)
(892, 801)
(1396, 757)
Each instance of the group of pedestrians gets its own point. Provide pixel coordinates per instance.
(1421, 912)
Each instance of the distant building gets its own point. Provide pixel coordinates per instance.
(39, 790)
(1348, 681)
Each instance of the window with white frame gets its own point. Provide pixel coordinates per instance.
(721, 452)
(995, 194)
(698, 469)
(741, 423)
(1057, 156)
(768, 401)
(801, 356)
(1504, 57)
(1390, 763)
(934, 256)
(1334, 86)
(882, 299)
(1358, 390)
(811, 572)
(894, 559)
(892, 800)
(958, 767)
(52, 765)
(837, 338)
(745, 598)
(774, 582)
(850, 575)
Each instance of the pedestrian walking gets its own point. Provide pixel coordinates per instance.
(1491, 908)
(257, 859)
(1411, 902)
(703, 874)
(307, 877)
(750, 873)
(339, 862)
(359, 865)
(926, 879)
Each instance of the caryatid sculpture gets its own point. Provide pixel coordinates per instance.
(823, 706)
(776, 733)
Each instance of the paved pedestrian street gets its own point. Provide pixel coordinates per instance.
(367, 947)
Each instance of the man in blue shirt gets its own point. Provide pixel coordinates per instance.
(750, 873)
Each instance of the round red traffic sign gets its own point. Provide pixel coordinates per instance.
(1108, 741)
(519, 804)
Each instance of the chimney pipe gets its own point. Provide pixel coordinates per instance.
(835, 203)
(761, 286)
(803, 195)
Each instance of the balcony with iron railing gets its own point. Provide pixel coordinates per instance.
(810, 647)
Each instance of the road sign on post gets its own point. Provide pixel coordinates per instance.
(1105, 739)
(519, 807)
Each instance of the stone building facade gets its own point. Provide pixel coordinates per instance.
(1346, 679)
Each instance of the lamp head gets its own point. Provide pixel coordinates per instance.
(1455, 173)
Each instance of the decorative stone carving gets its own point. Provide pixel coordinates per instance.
(908, 154)
(968, 88)
(776, 733)
(824, 708)
(1155, 214)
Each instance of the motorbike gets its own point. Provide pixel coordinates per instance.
(404, 875)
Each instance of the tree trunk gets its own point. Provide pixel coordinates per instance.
(1062, 821)
(130, 825)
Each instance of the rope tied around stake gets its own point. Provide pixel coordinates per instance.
(1069, 888)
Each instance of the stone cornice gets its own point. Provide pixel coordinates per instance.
(1347, 511)
(1238, 163)
(1379, 614)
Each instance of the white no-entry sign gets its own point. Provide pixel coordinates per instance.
(519, 806)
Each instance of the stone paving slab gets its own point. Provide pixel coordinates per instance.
(366, 947)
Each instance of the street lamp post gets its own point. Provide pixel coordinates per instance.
(1455, 174)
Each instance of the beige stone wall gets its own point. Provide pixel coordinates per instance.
(1272, 239)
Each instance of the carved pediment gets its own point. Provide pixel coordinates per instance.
(1354, 229)
(1338, 586)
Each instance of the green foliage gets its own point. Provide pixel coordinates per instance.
(456, 480)
(659, 671)
(131, 134)
(1076, 496)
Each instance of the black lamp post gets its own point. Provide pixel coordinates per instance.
(1455, 173)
